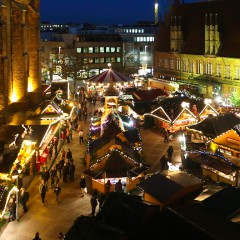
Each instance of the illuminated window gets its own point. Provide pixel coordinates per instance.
(85, 50)
(166, 63)
(79, 50)
(90, 49)
(96, 60)
(185, 66)
(171, 63)
(112, 59)
(237, 72)
(208, 68)
(218, 70)
(178, 64)
(118, 60)
(191, 66)
(199, 66)
(113, 49)
(227, 71)
(101, 49)
(108, 60)
(102, 60)
(118, 49)
(96, 49)
(107, 49)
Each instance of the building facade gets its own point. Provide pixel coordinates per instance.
(197, 48)
(89, 49)
(19, 50)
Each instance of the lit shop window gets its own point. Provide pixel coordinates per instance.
(101, 49)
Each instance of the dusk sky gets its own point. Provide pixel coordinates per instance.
(100, 11)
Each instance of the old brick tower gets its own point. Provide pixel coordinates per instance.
(20, 83)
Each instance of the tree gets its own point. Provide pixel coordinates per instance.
(235, 99)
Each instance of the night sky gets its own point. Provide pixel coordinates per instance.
(100, 11)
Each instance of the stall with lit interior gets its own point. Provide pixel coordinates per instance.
(178, 112)
(220, 160)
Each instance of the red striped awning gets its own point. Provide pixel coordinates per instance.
(108, 76)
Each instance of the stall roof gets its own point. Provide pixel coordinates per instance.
(162, 188)
(212, 162)
(225, 202)
(214, 126)
(173, 106)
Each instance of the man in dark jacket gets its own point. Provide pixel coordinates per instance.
(23, 199)
(118, 186)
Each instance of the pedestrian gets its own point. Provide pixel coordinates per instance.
(80, 134)
(57, 191)
(83, 185)
(94, 204)
(166, 137)
(118, 186)
(37, 237)
(12, 207)
(170, 153)
(23, 198)
(43, 191)
(69, 154)
(53, 174)
(71, 171)
(67, 135)
(101, 198)
(163, 163)
(108, 186)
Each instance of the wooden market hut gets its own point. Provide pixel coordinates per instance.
(220, 161)
(170, 190)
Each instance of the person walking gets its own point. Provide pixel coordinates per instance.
(12, 207)
(80, 134)
(82, 185)
(69, 154)
(24, 196)
(43, 191)
(57, 191)
(163, 163)
(94, 204)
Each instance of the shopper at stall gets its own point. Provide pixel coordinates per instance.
(69, 154)
(108, 186)
(12, 207)
(118, 186)
(24, 196)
